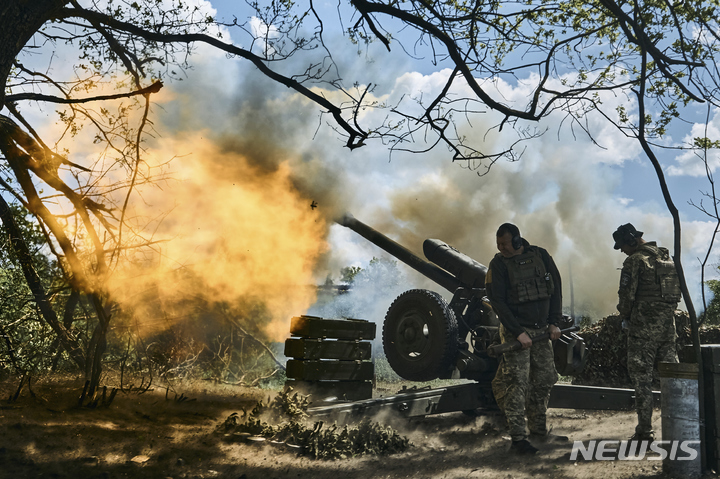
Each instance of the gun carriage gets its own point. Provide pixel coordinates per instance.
(425, 337)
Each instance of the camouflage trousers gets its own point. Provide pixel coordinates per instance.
(651, 338)
(522, 384)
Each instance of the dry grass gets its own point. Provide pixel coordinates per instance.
(160, 435)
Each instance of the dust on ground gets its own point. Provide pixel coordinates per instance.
(161, 434)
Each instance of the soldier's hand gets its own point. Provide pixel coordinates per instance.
(525, 340)
(554, 332)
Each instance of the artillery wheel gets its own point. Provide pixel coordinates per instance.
(420, 335)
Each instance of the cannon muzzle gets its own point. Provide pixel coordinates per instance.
(435, 273)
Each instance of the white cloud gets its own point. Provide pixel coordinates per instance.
(264, 34)
(691, 163)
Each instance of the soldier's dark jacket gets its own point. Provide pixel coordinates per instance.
(525, 290)
(647, 275)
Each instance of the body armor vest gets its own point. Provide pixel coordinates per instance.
(529, 279)
(659, 281)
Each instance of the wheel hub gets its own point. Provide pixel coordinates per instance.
(414, 335)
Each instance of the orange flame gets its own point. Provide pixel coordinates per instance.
(242, 231)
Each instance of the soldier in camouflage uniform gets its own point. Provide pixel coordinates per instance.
(648, 296)
(524, 289)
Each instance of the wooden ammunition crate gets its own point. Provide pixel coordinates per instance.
(330, 370)
(331, 358)
(314, 327)
(308, 348)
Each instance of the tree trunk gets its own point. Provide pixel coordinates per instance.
(19, 20)
(97, 346)
(677, 254)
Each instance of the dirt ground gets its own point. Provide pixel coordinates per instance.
(159, 435)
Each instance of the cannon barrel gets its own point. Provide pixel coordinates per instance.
(469, 272)
(435, 273)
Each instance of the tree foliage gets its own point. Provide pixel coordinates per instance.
(712, 312)
(569, 55)
(29, 345)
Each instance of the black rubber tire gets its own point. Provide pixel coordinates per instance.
(420, 335)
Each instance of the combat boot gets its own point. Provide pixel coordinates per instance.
(643, 436)
(523, 447)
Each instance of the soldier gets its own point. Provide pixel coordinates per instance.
(648, 296)
(524, 288)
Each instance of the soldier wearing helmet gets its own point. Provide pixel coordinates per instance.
(648, 296)
(524, 288)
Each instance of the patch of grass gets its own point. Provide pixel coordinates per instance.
(283, 420)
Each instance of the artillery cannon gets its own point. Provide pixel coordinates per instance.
(425, 337)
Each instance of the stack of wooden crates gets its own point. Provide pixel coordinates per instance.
(331, 358)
